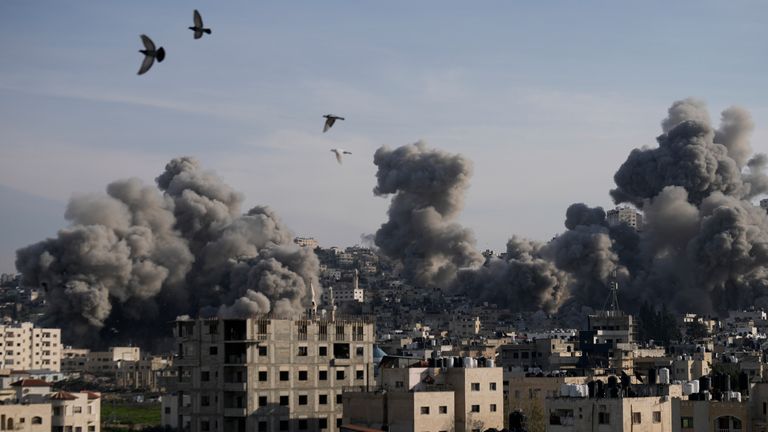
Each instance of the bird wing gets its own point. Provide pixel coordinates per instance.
(347, 152)
(198, 33)
(338, 155)
(328, 123)
(198, 19)
(148, 44)
(146, 64)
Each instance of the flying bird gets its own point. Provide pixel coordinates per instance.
(150, 54)
(340, 152)
(198, 28)
(330, 119)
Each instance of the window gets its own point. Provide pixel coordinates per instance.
(475, 408)
(213, 350)
(359, 351)
(57, 411)
(686, 422)
(167, 410)
(475, 386)
(657, 416)
(284, 376)
(205, 401)
(283, 425)
(262, 351)
(637, 418)
(205, 425)
(341, 350)
(492, 386)
(338, 398)
(283, 400)
(603, 418)
(493, 407)
(262, 401)
(322, 351)
(262, 426)
(323, 423)
(302, 399)
(322, 375)
(303, 351)
(398, 384)
(359, 374)
(443, 409)
(303, 424)
(340, 374)
(37, 420)
(262, 375)
(205, 376)
(424, 410)
(303, 375)
(323, 399)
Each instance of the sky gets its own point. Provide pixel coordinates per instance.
(546, 98)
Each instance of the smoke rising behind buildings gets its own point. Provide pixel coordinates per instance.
(140, 255)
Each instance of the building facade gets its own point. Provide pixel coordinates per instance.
(268, 374)
(24, 346)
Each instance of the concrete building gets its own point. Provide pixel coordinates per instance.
(73, 359)
(26, 418)
(23, 346)
(635, 414)
(626, 215)
(764, 204)
(269, 374)
(463, 327)
(419, 398)
(75, 411)
(309, 242)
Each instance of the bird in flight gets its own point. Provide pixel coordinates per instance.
(330, 119)
(339, 152)
(150, 54)
(198, 27)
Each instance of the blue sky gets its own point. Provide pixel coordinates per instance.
(546, 98)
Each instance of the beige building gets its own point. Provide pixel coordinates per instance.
(635, 414)
(125, 364)
(528, 394)
(464, 327)
(268, 374)
(26, 418)
(75, 412)
(23, 346)
(416, 399)
(626, 215)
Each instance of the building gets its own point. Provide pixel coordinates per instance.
(309, 242)
(73, 359)
(75, 411)
(636, 414)
(625, 215)
(463, 327)
(26, 418)
(268, 374)
(764, 204)
(427, 398)
(23, 346)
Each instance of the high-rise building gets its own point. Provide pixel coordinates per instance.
(23, 346)
(625, 215)
(266, 373)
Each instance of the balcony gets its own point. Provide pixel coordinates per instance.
(235, 412)
(236, 386)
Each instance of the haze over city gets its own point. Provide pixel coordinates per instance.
(545, 100)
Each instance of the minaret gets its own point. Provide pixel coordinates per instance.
(313, 308)
(332, 303)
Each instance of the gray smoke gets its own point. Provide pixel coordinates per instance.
(138, 256)
(428, 189)
(524, 279)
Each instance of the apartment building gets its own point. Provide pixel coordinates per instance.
(267, 373)
(75, 412)
(23, 346)
(636, 414)
(426, 398)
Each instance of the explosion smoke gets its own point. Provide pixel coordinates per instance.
(136, 257)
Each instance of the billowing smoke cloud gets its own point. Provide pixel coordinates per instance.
(138, 256)
(428, 189)
(703, 246)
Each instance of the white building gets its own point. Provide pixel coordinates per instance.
(23, 346)
(625, 215)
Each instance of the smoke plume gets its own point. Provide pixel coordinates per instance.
(141, 255)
